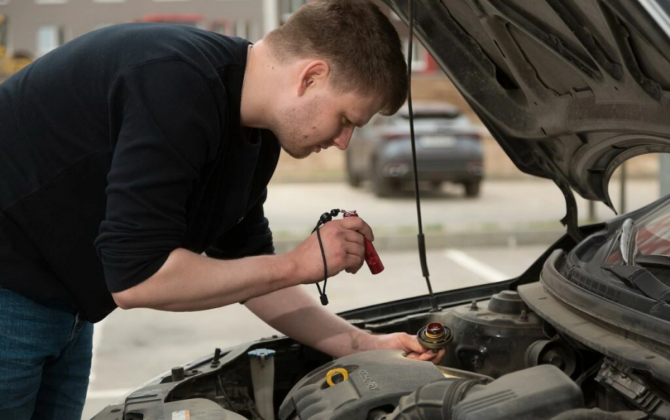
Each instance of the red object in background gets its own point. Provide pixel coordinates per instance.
(189, 19)
(371, 257)
(172, 17)
(431, 65)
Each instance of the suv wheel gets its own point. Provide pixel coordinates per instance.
(381, 186)
(472, 188)
(352, 179)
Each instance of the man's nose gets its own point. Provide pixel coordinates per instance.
(342, 141)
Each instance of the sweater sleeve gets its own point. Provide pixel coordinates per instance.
(252, 236)
(164, 124)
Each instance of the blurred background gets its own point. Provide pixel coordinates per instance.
(485, 221)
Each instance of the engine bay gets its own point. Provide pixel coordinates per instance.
(519, 354)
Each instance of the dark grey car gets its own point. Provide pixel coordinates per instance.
(448, 148)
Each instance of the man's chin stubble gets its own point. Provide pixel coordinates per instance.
(294, 155)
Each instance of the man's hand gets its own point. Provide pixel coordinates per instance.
(344, 246)
(295, 313)
(407, 343)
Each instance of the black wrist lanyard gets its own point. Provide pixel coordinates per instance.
(325, 217)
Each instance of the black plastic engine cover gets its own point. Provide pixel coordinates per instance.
(376, 379)
(538, 393)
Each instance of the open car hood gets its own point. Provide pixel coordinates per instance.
(569, 88)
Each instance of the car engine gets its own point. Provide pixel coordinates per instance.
(509, 356)
(503, 362)
(412, 390)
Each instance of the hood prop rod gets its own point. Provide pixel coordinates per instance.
(571, 219)
(420, 236)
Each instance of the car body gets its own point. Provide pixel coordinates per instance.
(570, 89)
(448, 148)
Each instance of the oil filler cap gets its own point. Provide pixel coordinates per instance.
(434, 336)
(335, 376)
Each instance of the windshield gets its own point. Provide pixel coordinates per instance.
(652, 237)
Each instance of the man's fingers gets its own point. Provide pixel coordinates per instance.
(359, 225)
(440, 356)
(429, 356)
(411, 342)
(424, 357)
(355, 237)
(344, 246)
(354, 263)
(353, 248)
(343, 243)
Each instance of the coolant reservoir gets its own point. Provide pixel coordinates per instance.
(262, 363)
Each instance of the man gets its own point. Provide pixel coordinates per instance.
(130, 151)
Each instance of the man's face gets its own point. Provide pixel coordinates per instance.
(322, 119)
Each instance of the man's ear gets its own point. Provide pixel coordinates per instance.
(314, 74)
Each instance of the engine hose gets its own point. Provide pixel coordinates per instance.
(588, 414)
(456, 393)
(432, 401)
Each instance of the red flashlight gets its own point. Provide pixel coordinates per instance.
(371, 256)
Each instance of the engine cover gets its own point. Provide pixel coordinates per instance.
(375, 379)
(541, 392)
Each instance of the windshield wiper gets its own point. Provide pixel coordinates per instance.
(641, 279)
(653, 260)
(628, 242)
(634, 275)
(630, 252)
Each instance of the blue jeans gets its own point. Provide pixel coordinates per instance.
(45, 360)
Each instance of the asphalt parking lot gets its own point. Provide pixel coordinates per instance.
(293, 209)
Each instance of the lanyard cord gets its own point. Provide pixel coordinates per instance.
(325, 217)
(322, 294)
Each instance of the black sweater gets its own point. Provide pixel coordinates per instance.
(119, 147)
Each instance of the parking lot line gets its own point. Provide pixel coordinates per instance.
(104, 394)
(488, 273)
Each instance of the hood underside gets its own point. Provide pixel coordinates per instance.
(569, 88)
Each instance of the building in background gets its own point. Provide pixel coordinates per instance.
(34, 27)
(38, 26)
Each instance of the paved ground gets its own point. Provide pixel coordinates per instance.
(295, 208)
(134, 346)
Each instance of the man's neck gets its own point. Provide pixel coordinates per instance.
(255, 109)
